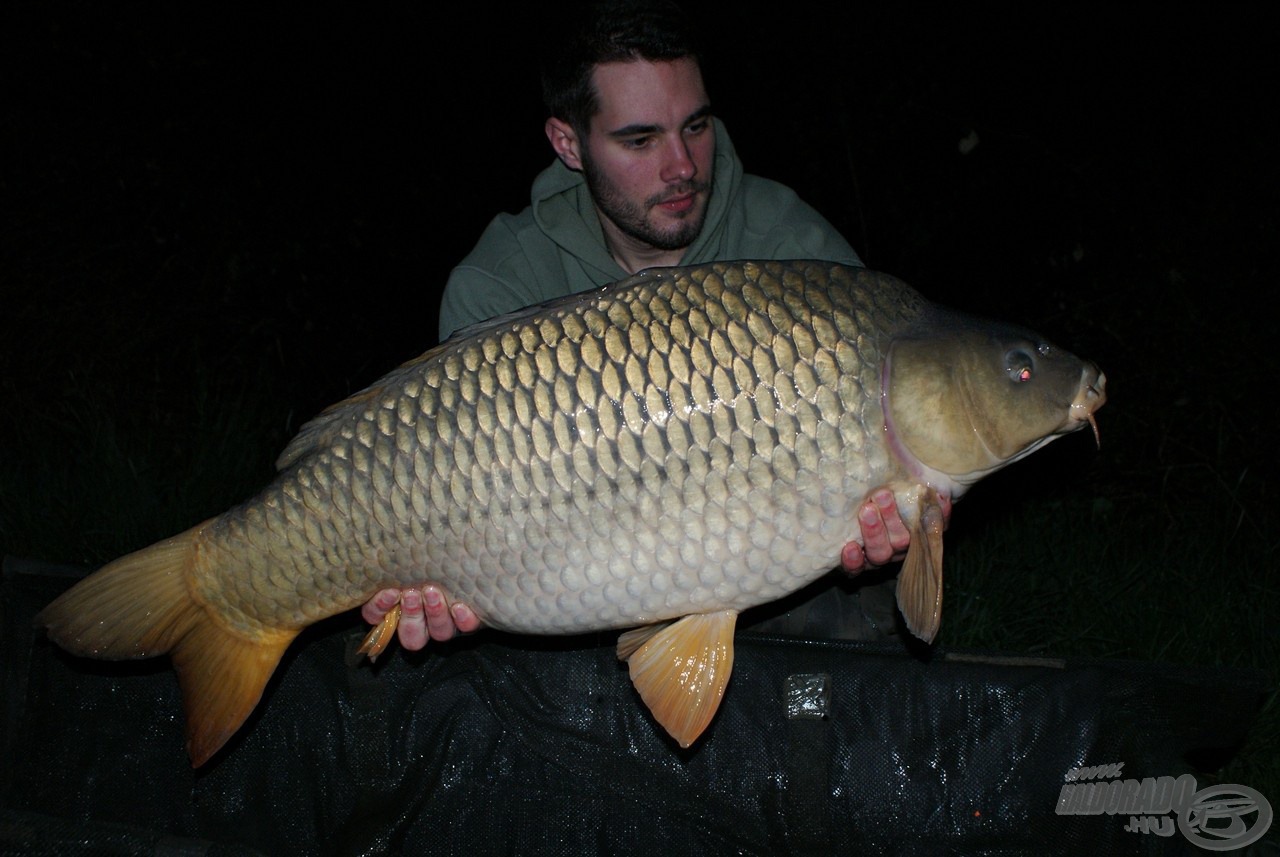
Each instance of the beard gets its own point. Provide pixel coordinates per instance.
(632, 218)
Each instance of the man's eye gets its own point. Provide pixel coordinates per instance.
(697, 127)
(636, 142)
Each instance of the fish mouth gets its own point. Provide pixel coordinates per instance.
(1092, 395)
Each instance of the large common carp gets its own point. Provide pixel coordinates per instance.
(657, 455)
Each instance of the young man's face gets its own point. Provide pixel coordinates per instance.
(647, 158)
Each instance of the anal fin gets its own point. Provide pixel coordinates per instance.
(681, 669)
(919, 588)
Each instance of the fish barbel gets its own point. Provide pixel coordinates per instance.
(655, 455)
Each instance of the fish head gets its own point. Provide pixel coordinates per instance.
(964, 397)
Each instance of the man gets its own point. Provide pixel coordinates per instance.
(644, 177)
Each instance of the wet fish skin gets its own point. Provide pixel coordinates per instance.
(687, 441)
(675, 445)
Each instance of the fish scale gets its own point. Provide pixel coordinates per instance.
(684, 432)
(681, 445)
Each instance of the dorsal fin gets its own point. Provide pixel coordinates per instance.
(320, 430)
(324, 427)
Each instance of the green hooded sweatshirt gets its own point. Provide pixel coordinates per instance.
(556, 246)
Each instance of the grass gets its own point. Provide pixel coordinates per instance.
(99, 478)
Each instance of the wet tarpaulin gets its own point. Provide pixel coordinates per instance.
(509, 745)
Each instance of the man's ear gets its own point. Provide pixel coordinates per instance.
(565, 142)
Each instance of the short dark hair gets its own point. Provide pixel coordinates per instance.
(613, 31)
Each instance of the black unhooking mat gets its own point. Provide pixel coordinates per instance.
(507, 745)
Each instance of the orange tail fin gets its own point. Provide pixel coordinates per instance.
(142, 605)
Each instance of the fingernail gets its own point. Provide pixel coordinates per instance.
(433, 598)
(412, 600)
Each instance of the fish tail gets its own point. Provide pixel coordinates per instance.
(144, 604)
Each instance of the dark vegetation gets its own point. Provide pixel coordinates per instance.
(214, 227)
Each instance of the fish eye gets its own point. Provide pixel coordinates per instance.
(1018, 364)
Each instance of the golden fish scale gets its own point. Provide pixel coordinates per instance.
(685, 441)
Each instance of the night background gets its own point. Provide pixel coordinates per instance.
(212, 226)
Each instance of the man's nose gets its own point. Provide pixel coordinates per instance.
(678, 166)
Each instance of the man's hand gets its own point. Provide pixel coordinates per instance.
(425, 615)
(885, 538)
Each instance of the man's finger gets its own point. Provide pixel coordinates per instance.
(851, 558)
(898, 535)
(876, 547)
(439, 620)
(413, 626)
(377, 606)
(464, 619)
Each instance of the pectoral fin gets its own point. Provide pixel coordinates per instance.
(920, 581)
(681, 669)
